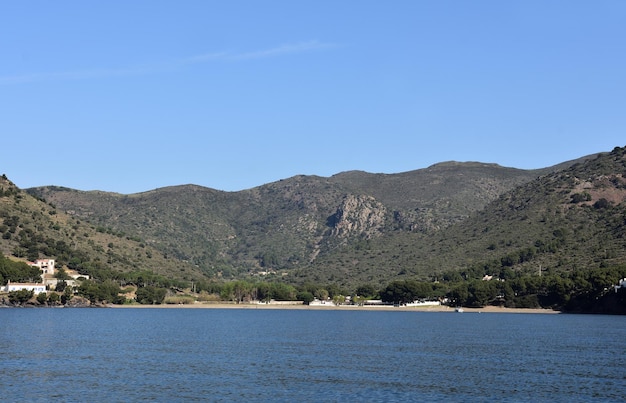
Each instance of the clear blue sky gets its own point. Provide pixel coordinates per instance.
(128, 96)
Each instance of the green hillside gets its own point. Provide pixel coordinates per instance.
(571, 219)
(356, 228)
(287, 226)
(558, 242)
(562, 221)
(554, 237)
(31, 228)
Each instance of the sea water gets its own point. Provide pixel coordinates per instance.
(243, 355)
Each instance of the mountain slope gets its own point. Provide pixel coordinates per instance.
(574, 218)
(32, 228)
(439, 195)
(295, 222)
(562, 221)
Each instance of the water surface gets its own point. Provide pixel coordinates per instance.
(300, 355)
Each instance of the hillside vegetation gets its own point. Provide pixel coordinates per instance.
(289, 225)
(349, 229)
(31, 228)
(553, 237)
(561, 221)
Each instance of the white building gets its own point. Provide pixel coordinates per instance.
(35, 287)
(621, 284)
(45, 265)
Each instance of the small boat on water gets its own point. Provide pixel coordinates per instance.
(458, 309)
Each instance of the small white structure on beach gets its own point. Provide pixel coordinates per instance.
(620, 284)
(424, 303)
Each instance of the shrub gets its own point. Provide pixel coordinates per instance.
(179, 299)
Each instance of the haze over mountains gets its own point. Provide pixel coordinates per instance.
(351, 228)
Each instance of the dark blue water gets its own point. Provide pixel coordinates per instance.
(167, 355)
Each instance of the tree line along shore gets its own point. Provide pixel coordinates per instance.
(591, 291)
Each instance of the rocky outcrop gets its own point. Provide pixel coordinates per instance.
(78, 302)
(358, 215)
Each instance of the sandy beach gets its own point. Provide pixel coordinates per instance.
(439, 308)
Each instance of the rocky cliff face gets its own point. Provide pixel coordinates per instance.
(358, 215)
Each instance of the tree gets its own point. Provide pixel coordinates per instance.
(150, 295)
(580, 197)
(263, 292)
(241, 291)
(406, 291)
(106, 291)
(67, 295)
(459, 294)
(306, 297)
(18, 271)
(20, 297)
(61, 274)
(602, 204)
(366, 290)
(226, 294)
(42, 297)
(334, 290)
(339, 299)
(321, 294)
(481, 293)
(507, 293)
(53, 298)
(283, 292)
(268, 259)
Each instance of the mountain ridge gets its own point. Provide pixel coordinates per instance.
(435, 165)
(288, 225)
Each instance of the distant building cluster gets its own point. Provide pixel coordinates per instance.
(45, 265)
(48, 280)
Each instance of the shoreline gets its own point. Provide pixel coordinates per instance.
(439, 308)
